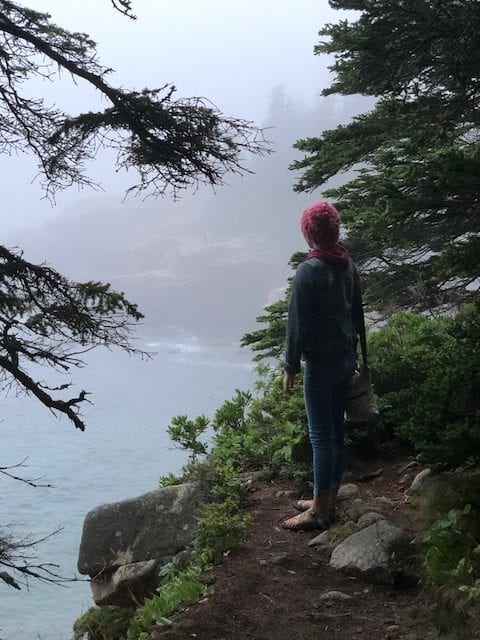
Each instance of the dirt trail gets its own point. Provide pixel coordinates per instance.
(271, 589)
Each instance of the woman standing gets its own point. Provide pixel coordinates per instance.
(324, 319)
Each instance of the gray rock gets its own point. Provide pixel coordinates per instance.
(371, 552)
(356, 509)
(322, 539)
(156, 525)
(384, 500)
(128, 585)
(369, 518)
(334, 596)
(290, 493)
(275, 558)
(393, 629)
(420, 478)
(407, 466)
(348, 491)
(249, 479)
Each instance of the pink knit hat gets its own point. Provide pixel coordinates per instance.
(320, 223)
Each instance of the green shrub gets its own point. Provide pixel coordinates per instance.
(221, 528)
(170, 480)
(427, 376)
(452, 558)
(221, 524)
(104, 623)
(187, 434)
(232, 415)
(450, 545)
(177, 587)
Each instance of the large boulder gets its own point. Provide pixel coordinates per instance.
(154, 526)
(376, 552)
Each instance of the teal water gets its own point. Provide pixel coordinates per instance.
(120, 455)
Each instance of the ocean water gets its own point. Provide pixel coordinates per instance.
(121, 454)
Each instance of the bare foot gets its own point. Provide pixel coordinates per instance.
(305, 521)
(303, 505)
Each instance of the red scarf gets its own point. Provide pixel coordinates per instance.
(335, 254)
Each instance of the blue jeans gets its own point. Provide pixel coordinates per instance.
(326, 381)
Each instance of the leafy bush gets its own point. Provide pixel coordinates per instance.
(177, 587)
(221, 528)
(427, 376)
(221, 524)
(452, 559)
(449, 505)
(232, 415)
(187, 434)
(104, 623)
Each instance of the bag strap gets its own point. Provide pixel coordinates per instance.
(357, 313)
(358, 303)
(363, 341)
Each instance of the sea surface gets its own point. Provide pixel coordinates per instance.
(122, 453)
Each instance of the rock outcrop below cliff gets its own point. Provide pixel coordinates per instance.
(125, 544)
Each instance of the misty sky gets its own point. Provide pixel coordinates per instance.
(232, 52)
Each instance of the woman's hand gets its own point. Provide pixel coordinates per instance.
(288, 381)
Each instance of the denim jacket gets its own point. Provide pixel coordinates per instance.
(325, 312)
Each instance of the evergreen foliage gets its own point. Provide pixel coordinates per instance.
(412, 210)
(44, 318)
(171, 143)
(451, 553)
(48, 320)
(104, 623)
(427, 374)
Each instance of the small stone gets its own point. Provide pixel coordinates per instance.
(420, 479)
(278, 558)
(285, 494)
(392, 631)
(322, 538)
(334, 596)
(275, 558)
(252, 476)
(356, 509)
(372, 475)
(385, 501)
(406, 467)
(369, 518)
(348, 491)
(404, 479)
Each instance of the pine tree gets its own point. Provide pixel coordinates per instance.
(413, 209)
(45, 318)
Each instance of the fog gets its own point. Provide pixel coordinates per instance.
(200, 268)
(187, 263)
